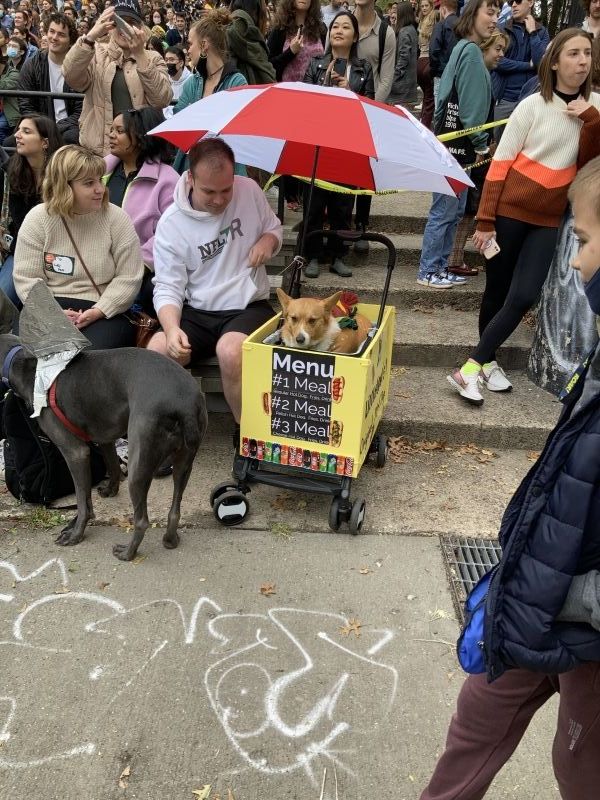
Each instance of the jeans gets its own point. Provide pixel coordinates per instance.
(6, 281)
(445, 214)
(5, 128)
(502, 110)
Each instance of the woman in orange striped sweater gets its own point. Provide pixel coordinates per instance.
(549, 136)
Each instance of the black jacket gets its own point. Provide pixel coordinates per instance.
(549, 534)
(361, 75)
(19, 205)
(279, 57)
(441, 45)
(35, 76)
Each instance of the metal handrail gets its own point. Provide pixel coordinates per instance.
(35, 93)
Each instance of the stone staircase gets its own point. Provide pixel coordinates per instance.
(435, 331)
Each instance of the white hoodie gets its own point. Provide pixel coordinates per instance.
(202, 259)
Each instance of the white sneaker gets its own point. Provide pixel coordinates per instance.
(467, 386)
(450, 276)
(435, 281)
(495, 378)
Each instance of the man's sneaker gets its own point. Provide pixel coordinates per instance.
(454, 279)
(467, 386)
(311, 270)
(434, 281)
(495, 378)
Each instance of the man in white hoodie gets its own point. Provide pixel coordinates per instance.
(210, 286)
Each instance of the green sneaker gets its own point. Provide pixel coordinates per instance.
(311, 270)
(340, 269)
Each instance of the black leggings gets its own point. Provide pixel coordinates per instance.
(105, 334)
(513, 282)
(339, 216)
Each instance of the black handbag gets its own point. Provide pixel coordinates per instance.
(461, 148)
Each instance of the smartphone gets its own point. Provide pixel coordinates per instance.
(340, 65)
(492, 249)
(122, 26)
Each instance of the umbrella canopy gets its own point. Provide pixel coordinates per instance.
(278, 127)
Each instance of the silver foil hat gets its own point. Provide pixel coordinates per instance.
(43, 327)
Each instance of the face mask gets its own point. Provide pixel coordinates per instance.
(592, 292)
(12, 52)
(172, 69)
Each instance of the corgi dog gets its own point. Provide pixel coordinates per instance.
(308, 324)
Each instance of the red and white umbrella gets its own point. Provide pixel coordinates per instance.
(278, 127)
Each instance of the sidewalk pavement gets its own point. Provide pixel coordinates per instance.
(243, 660)
(252, 658)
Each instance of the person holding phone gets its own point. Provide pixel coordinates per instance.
(115, 76)
(340, 66)
(549, 136)
(297, 35)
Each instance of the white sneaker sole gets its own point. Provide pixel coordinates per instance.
(423, 282)
(509, 388)
(455, 385)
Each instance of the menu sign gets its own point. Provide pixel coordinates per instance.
(301, 390)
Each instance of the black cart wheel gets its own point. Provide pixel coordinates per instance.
(221, 488)
(381, 451)
(357, 515)
(231, 508)
(334, 514)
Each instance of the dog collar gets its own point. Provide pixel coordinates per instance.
(70, 426)
(8, 359)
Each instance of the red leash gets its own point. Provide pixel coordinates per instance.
(70, 426)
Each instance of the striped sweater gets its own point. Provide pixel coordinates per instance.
(537, 158)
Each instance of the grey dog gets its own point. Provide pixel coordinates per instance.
(108, 394)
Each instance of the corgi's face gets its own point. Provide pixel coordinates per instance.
(307, 321)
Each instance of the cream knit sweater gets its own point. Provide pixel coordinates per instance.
(107, 242)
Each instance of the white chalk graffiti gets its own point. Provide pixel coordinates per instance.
(287, 692)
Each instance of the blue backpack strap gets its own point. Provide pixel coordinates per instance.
(8, 359)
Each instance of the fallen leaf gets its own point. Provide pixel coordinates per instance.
(138, 559)
(404, 395)
(123, 782)
(365, 570)
(103, 584)
(230, 794)
(268, 589)
(398, 371)
(62, 590)
(353, 626)
(533, 455)
(203, 793)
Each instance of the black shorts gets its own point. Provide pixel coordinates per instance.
(205, 328)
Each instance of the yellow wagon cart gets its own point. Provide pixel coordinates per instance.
(309, 419)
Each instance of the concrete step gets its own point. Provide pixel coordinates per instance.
(444, 337)
(368, 281)
(423, 406)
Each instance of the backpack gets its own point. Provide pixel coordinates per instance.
(35, 470)
(382, 34)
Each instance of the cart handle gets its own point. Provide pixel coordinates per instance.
(352, 236)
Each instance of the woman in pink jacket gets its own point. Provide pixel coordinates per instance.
(140, 181)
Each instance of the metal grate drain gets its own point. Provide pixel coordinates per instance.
(466, 560)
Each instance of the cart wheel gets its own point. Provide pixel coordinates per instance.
(221, 488)
(381, 451)
(231, 508)
(334, 514)
(357, 515)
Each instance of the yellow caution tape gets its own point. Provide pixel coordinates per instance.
(444, 137)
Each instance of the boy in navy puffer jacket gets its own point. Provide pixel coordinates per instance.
(542, 623)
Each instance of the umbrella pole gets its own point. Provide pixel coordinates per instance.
(310, 194)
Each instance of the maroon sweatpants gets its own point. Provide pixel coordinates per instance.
(490, 720)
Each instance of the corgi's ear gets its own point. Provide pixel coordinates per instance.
(284, 299)
(330, 302)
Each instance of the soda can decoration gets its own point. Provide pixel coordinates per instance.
(323, 462)
(331, 464)
(341, 465)
(276, 453)
(349, 466)
(268, 451)
(285, 454)
(245, 446)
(260, 452)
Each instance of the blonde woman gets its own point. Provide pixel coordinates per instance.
(427, 19)
(84, 248)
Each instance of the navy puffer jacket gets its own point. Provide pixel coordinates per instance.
(550, 532)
